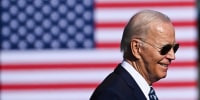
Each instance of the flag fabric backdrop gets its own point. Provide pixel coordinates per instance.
(62, 49)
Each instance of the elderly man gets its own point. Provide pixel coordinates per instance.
(148, 45)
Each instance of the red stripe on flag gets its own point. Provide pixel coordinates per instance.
(48, 86)
(175, 84)
(35, 86)
(107, 45)
(184, 23)
(54, 66)
(144, 4)
(187, 43)
(184, 64)
(110, 25)
(117, 45)
(122, 24)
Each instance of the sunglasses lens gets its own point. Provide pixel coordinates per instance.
(176, 46)
(165, 49)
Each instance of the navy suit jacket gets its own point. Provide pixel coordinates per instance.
(119, 85)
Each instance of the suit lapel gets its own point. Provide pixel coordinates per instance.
(130, 82)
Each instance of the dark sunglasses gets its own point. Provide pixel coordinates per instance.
(166, 48)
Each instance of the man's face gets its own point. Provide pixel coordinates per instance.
(156, 64)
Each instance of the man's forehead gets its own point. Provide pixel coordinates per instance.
(160, 31)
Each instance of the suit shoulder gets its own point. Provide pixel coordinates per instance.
(113, 87)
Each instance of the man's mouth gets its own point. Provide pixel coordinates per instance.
(164, 65)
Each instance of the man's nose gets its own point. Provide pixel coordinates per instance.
(171, 55)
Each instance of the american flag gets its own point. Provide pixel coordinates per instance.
(62, 49)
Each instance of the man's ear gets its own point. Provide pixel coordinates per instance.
(135, 48)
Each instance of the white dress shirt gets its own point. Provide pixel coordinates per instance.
(144, 86)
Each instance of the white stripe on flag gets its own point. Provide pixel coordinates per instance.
(84, 94)
(113, 35)
(177, 93)
(71, 94)
(81, 56)
(106, 14)
(87, 75)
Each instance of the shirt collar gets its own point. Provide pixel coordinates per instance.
(144, 86)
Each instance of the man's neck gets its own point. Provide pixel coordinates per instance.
(140, 69)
